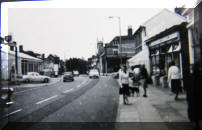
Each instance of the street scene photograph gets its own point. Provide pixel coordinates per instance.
(76, 66)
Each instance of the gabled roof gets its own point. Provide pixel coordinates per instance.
(162, 21)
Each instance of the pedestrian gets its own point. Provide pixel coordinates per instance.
(136, 81)
(145, 78)
(131, 86)
(120, 71)
(124, 79)
(174, 79)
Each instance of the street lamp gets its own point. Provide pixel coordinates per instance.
(119, 20)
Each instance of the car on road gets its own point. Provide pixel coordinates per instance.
(35, 77)
(68, 76)
(94, 73)
(76, 73)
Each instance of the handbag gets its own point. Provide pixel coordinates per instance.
(120, 90)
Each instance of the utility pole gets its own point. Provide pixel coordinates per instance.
(16, 57)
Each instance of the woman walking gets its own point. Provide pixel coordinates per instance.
(124, 78)
(174, 79)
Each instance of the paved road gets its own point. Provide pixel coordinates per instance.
(84, 100)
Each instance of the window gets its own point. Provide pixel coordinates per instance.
(115, 52)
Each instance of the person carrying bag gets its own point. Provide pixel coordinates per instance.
(124, 85)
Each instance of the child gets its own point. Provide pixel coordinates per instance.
(136, 80)
(136, 84)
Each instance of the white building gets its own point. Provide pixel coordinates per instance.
(156, 24)
(26, 63)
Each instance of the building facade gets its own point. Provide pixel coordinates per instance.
(169, 45)
(151, 28)
(113, 53)
(26, 63)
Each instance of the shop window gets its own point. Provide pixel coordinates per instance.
(163, 49)
(115, 52)
(177, 59)
(152, 52)
(176, 47)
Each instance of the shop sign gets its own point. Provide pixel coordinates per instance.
(166, 38)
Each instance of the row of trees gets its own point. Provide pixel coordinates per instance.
(76, 64)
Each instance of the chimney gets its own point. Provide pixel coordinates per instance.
(21, 48)
(130, 31)
(43, 56)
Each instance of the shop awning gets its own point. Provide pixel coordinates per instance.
(170, 49)
(139, 59)
(177, 48)
(156, 53)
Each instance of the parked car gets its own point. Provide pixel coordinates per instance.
(76, 73)
(94, 73)
(35, 77)
(68, 76)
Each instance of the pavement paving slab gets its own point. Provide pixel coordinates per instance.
(158, 108)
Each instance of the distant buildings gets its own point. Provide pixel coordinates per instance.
(110, 55)
(51, 65)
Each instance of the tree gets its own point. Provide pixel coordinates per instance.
(76, 64)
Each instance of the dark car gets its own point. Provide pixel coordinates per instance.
(68, 76)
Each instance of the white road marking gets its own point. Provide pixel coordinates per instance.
(82, 83)
(13, 112)
(46, 99)
(79, 86)
(26, 90)
(68, 90)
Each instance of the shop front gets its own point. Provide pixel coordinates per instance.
(170, 45)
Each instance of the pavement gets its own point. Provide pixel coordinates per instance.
(158, 108)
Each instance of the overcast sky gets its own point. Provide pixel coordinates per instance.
(71, 32)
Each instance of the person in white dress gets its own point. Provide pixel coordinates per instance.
(124, 81)
(174, 79)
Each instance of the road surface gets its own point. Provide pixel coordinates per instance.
(82, 101)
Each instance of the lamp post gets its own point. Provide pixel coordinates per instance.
(119, 20)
